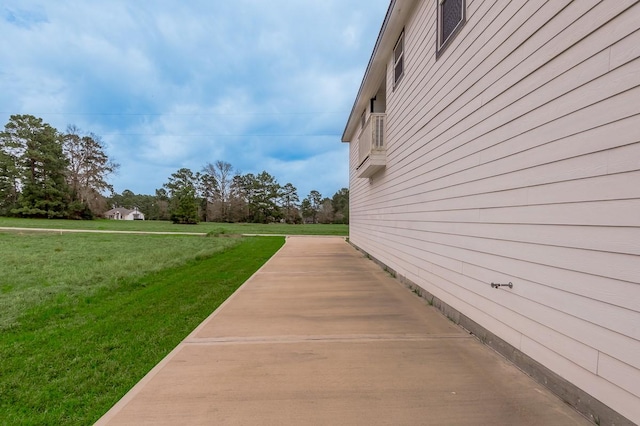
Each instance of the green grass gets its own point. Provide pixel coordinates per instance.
(69, 356)
(37, 268)
(160, 226)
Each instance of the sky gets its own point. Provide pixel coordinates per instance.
(263, 85)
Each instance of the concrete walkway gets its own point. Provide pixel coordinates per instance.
(322, 336)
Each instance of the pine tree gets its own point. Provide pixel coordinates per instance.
(35, 148)
(181, 189)
(9, 183)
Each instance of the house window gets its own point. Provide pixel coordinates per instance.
(398, 60)
(451, 17)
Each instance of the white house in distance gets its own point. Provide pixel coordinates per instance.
(120, 213)
(495, 167)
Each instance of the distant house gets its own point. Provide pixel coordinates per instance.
(495, 143)
(120, 213)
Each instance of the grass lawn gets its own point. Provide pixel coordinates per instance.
(85, 316)
(160, 226)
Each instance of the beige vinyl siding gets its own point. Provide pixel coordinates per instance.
(516, 157)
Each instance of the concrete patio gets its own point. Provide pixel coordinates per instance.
(322, 335)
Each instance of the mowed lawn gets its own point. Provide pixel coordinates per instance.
(162, 226)
(84, 316)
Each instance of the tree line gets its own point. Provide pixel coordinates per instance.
(218, 193)
(46, 173)
(50, 174)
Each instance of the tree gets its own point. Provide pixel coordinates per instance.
(181, 189)
(208, 191)
(222, 172)
(238, 207)
(127, 199)
(261, 193)
(160, 205)
(9, 183)
(325, 211)
(47, 174)
(33, 157)
(289, 201)
(307, 210)
(88, 168)
(312, 206)
(340, 203)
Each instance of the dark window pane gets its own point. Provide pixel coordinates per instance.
(398, 56)
(399, 48)
(451, 17)
(399, 69)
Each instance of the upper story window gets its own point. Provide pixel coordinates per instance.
(398, 60)
(451, 17)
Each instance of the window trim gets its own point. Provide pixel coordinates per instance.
(441, 45)
(399, 60)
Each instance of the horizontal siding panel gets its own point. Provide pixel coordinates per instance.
(485, 59)
(600, 39)
(450, 70)
(623, 159)
(588, 333)
(481, 191)
(506, 108)
(405, 257)
(555, 38)
(546, 92)
(610, 239)
(624, 402)
(598, 139)
(570, 127)
(440, 277)
(616, 266)
(600, 188)
(611, 187)
(624, 321)
(626, 85)
(447, 216)
(450, 295)
(579, 122)
(491, 301)
(627, 49)
(620, 373)
(615, 292)
(598, 213)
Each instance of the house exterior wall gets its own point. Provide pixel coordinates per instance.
(124, 214)
(515, 157)
(134, 215)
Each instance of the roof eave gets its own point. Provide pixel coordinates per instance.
(392, 26)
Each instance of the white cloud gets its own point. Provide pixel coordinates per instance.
(262, 85)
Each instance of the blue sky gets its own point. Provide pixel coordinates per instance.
(263, 85)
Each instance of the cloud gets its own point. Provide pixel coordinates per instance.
(24, 18)
(262, 85)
